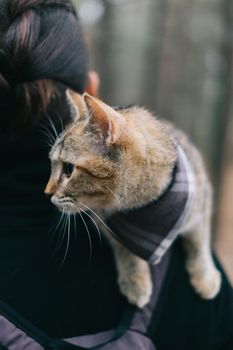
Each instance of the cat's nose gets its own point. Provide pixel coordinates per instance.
(50, 188)
(48, 195)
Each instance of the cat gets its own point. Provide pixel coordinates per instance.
(109, 156)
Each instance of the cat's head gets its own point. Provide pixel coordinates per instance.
(85, 158)
(99, 161)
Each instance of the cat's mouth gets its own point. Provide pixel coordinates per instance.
(65, 204)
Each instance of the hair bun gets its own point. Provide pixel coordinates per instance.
(32, 63)
(4, 80)
(7, 69)
(4, 17)
(18, 7)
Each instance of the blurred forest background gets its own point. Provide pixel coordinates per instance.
(176, 58)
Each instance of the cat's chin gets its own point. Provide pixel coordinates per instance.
(67, 207)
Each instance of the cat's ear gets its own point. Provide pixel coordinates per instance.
(108, 121)
(76, 104)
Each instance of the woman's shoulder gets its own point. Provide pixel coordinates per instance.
(182, 319)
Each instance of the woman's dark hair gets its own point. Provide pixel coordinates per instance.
(41, 44)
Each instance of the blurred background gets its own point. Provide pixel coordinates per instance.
(176, 58)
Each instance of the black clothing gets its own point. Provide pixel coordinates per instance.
(185, 321)
(33, 278)
(56, 295)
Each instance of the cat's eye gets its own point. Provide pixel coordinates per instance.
(67, 169)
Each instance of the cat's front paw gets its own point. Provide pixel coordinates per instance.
(207, 285)
(137, 288)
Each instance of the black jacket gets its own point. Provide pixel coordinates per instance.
(80, 295)
(185, 321)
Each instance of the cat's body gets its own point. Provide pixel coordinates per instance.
(122, 160)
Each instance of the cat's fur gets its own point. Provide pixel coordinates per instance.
(126, 157)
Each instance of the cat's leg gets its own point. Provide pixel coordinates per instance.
(204, 276)
(134, 276)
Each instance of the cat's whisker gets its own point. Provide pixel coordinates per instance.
(117, 197)
(59, 238)
(62, 232)
(75, 226)
(48, 130)
(61, 121)
(53, 126)
(49, 144)
(68, 240)
(88, 233)
(107, 227)
(97, 228)
(60, 220)
(48, 135)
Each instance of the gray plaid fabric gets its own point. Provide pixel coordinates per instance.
(149, 231)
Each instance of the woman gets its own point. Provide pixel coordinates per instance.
(55, 287)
